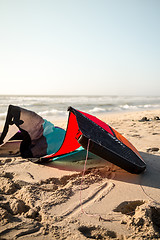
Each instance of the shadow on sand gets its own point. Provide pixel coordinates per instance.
(149, 178)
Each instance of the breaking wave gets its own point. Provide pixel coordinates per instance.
(56, 106)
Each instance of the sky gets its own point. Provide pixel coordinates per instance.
(80, 47)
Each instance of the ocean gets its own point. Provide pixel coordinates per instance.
(51, 107)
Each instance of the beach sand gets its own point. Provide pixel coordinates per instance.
(56, 202)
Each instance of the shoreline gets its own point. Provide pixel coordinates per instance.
(54, 202)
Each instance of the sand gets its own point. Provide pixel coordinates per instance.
(56, 202)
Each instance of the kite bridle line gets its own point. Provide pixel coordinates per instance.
(82, 179)
(81, 204)
(83, 173)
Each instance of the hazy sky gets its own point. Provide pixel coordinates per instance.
(80, 47)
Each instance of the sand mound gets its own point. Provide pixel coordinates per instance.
(145, 221)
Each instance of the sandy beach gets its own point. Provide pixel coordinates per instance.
(55, 201)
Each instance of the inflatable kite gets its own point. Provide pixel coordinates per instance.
(41, 140)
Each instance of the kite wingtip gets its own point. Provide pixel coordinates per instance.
(69, 108)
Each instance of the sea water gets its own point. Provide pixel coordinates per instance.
(51, 107)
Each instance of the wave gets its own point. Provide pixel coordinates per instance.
(97, 110)
(48, 106)
(3, 116)
(52, 112)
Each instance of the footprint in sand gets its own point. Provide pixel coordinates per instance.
(97, 232)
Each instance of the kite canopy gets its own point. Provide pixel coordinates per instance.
(39, 138)
(105, 142)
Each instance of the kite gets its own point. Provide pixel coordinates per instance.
(41, 140)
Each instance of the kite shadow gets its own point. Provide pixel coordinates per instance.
(149, 178)
(77, 165)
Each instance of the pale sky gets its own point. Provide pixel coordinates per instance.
(96, 47)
